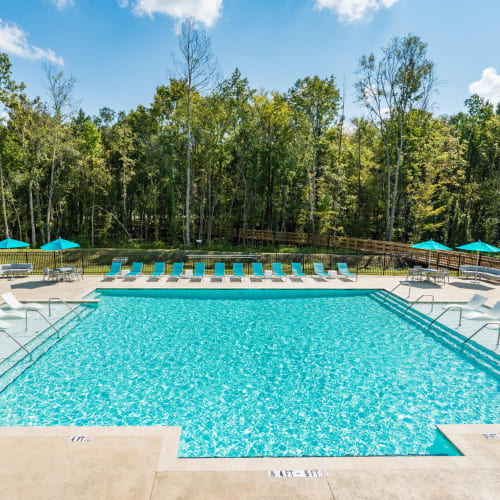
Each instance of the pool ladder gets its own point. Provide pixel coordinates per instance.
(408, 284)
(444, 312)
(496, 323)
(52, 299)
(62, 301)
(421, 297)
(21, 346)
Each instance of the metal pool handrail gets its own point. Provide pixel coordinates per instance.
(58, 299)
(397, 286)
(42, 315)
(16, 341)
(445, 311)
(421, 297)
(496, 323)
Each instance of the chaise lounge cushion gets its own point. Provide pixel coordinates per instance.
(483, 272)
(16, 269)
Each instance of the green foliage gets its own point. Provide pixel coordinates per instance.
(259, 161)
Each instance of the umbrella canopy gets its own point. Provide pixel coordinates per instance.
(59, 245)
(430, 245)
(9, 243)
(479, 246)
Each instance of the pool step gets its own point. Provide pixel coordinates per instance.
(449, 337)
(18, 362)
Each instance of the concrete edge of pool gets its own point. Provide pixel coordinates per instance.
(141, 462)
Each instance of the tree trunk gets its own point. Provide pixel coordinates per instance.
(188, 172)
(395, 189)
(32, 213)
(359, 186)
(92, 221)
(388, 206)
(51, 187)
(312, 198)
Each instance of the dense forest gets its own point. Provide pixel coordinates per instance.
(208, 154)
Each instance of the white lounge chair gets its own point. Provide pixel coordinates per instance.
(4, 324)
(475, 303)
(10, 314)
(13, 303)
(493, 314)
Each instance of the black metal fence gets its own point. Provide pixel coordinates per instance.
(98, 261)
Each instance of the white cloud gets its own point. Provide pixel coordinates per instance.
(354, 10)
(203, 11)
(61, 4)
(488, 87)
(13, 40)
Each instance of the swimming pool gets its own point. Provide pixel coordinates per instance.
(257, 373)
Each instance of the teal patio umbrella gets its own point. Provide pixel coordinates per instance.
(430, 245)
(10, 244)
(479, 246)
(59, 245)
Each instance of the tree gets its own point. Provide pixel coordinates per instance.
(316, 103)
(198, 69)
(60, 92)
(7, 87)
(402, 81)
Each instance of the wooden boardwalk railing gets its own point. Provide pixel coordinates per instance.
(446, 259)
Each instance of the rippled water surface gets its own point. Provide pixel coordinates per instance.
(254, 373)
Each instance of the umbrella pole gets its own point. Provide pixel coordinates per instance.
(11, 273)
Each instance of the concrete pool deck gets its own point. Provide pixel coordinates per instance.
(141, 462)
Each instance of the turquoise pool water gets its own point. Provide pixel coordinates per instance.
(257, 373)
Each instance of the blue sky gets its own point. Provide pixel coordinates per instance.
(120, 50)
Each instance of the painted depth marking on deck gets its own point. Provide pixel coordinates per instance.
(79, 439)
(491, 436)
(298, 473)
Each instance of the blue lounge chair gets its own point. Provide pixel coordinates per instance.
(219, 271)
(158, 270)
(177, 270)
(238, 271)
(344, 271)
(257, 270)
(297, 270)
(320, 271)
(199, 270)
(134, 272)
(278, 271)
(114, 270)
